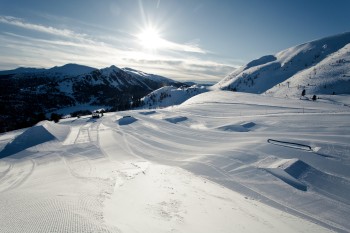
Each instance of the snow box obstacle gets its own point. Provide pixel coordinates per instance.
(244, 127)
(126, 120)
(42, 132)
(176, 120)
(302, 176)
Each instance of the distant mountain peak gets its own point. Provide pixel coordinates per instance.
(72, 69)
(69, 69)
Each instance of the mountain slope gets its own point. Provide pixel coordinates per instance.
(111, 86)
(316, 59)
(170, 96)
(329, 76)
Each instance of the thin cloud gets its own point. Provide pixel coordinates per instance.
(40, 28)
(185, 69)
(165, 44)
(193, 48)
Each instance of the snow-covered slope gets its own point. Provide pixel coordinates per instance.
(331, 75)
(170, 96)
(219, 162)
(321, 66)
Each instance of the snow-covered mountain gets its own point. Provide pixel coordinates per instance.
(29, 93)
(64, 71)
(321, 67)
(170, 95)
(104, 86)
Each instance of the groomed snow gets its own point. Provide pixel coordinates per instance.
(219, 162)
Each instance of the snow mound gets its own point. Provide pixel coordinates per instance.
(244, 127)
(248, 125)
(176, 120)
(42, 132)
(126, 120)
(302, 176)
(59, 131)
(288, 170)
(233, 128)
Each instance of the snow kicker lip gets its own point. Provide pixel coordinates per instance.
(41, 133)
(126, 120)
(293, 145)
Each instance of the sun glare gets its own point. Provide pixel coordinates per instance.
(149, 39)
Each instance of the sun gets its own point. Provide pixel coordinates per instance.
(150, 39)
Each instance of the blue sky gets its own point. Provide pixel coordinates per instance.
(181, 39)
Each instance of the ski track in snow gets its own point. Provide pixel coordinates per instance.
(160, 169)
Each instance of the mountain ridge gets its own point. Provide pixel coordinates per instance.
(261, 75)
(69, 69)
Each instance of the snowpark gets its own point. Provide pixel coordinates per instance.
(220, 162)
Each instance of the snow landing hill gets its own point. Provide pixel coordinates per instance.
(320, 67)
(28, 93)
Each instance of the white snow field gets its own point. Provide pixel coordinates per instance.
(219, 162)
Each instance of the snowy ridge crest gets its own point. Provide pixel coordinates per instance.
(320, 66)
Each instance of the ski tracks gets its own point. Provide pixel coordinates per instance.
(16, 174)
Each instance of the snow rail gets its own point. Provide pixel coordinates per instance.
(290, 144)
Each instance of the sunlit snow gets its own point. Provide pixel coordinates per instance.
(219, 162)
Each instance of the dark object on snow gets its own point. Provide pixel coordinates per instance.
(314, 97)
(55, 117)
(96, 115)
(303, 93)
(290, 144)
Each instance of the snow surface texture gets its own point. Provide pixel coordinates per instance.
(220, 162)
(319, 67)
